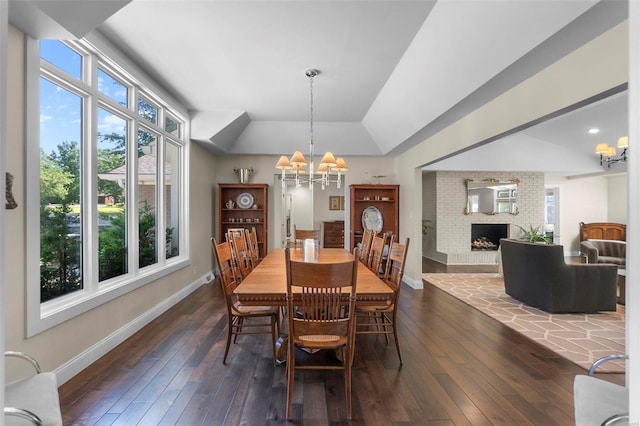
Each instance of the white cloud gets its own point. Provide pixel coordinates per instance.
(111, 124)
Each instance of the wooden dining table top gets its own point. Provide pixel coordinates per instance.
(267, 283)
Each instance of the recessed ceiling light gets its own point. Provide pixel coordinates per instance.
(593, 130)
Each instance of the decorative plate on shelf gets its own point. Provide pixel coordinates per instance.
(245, 200)
(372, 219)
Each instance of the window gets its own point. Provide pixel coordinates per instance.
(551, 212)
(112, 88)
(110, 173)
(148, 111)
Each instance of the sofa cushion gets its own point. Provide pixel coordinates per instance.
(596, 400)
(604, 251)
(38, 394)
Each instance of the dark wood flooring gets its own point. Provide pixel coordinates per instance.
(460, 368)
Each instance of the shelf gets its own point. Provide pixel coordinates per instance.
(230, 192)
(388, 208)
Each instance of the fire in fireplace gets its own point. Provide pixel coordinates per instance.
(486, 236)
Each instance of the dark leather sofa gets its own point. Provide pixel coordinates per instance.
(538, 275)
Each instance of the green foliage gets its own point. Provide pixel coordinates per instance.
(60, 252)
(68, 158)
(60, 226)
(534, 235)
(54, 181)
(426, 225)
(147, 235)
(112, 257)
(112, 254)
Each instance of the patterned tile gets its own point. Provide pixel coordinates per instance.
(580, 338)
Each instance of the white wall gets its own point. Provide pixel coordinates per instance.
(588, 199)
(617, 198)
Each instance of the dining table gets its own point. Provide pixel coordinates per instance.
(266, 285)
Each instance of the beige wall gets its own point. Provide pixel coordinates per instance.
(265, 171)
(61, 344)
(581, 74)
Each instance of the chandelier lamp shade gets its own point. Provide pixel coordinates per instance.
(293, 169)
(608, 153)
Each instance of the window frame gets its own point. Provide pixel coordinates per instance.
(42, 316)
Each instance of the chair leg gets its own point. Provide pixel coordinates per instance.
(347, 355)
(278, 320)
(274, 337)
(384, 328)
(395, 336)
(239, 326)
(229, 333)
(291, 359)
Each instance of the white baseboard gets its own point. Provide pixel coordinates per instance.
(414, 284)
(95, 352)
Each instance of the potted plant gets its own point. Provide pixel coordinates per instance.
(426, 225)
(534, 235)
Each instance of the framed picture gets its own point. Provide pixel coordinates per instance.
(334, 202)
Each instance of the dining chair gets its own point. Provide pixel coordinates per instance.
(242, 255)
(383, 319)
(323, 297)
(254, 248)
(300, 235)
(365, 245)
(377, 253)
(234, 232)
(236, 312)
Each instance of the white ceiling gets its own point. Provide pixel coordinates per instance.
(559, 146)
(392, 72)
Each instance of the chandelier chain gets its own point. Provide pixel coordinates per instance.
(311, 107)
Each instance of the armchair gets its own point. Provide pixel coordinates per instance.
(33, 398)
(598, 402)
(604, 251)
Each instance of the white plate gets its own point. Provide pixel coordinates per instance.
(372, 219)
(245, 200)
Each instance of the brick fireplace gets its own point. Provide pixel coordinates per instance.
(444, 200)
(486, 236)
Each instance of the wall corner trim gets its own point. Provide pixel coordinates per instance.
(414, 284)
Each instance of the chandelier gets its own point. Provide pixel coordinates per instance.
(608, 153)
(293, 169)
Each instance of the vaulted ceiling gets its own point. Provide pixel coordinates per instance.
(392, 72)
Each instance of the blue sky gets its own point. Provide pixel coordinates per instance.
(61, 110)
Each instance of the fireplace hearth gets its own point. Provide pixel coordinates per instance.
(486, 236)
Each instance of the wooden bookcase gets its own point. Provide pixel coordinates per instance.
(383, 197)
(238, 217)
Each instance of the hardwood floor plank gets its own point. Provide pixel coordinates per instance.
(460, 367)
(165, 399)
(177, 408)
